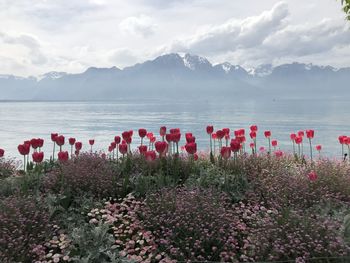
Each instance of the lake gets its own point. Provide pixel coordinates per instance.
(103, 120)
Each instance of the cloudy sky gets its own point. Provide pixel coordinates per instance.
(71, 35)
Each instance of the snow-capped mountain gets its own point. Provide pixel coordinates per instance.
(175, 75)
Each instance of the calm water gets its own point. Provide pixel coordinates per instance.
(103, 120)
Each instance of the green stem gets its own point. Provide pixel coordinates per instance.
(310, 149)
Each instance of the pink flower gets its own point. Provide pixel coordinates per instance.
(312, 176)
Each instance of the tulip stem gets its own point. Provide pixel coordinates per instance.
(310, 149)
(53, 153)
(210, 143)
(24, 163)
(293, 147)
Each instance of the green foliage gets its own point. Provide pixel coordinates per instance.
(93, 244)
(235, 184)
(346, 8)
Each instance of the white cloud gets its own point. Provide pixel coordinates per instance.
(33, 46)
(123, 57)
(139, 25)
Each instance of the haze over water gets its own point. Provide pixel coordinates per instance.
(101, 121)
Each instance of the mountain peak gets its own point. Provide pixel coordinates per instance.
(194, 62)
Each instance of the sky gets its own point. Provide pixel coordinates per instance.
(38, 36)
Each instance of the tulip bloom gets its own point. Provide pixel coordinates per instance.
(191, 148)
(117, 139)
(143, 149)
(91, 142)
(123, 148)
(225, 152)
(312, 176)
(210, 130)
(142, 134)
(71, 143)
(254, 128)
(274, 143)
(310, 135)
(162, 132)
(35, 143)
(60, 141)
(150, 156)
(268, 136)
(191, 139)
(342, 139)
(38, 157)
(78, 146)
(279, 154)
(319, 148)
(195, 157)
(299, 140)
(63, 156)
(2, 153)
(24, 150)
(161, 148)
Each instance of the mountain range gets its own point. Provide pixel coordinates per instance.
(176, 76)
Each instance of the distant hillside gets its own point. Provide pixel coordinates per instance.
(174, 76)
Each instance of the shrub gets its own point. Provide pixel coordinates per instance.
(87, 174)
(193, 225)
(7, 168)
(24, 224)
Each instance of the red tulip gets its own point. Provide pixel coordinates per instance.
(225, 152)
(110, 148)
(274, 143)
(310, 134)
(113, 145)
(341, 139)
(54, 136)
(318, 147)
(38, 157)
(191, 148)
(241, 132)
(210, 129)
(123, 148)
(267, 134)
(60, 140)
(117, 139)
(214, 136)
(188, 135)
(254, 128)
(162, 131)
(71, 141)
(279, 154)
(128, 140)
(161, 147)
(347, 140)
(252, 145)
(176, 137)
(91, 142)
(153, 139)
(131, 132)
(40, 143)
(190, 139)
(63, 156)
(149, 135)
(220, 134)
(28, 143)
(143, 149)
(235, 145)
(195, 157)
(298, 139)
(301, 133)
(2, 153)
(24, 149)
(252, 134)
(226, 131)
(150, 155)
(142, 133)
(241, 139)
(175, 130)
(34, 143)
(293, 136)
(78, 146)
(126, 135)
(169, 137)
(312, 176)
